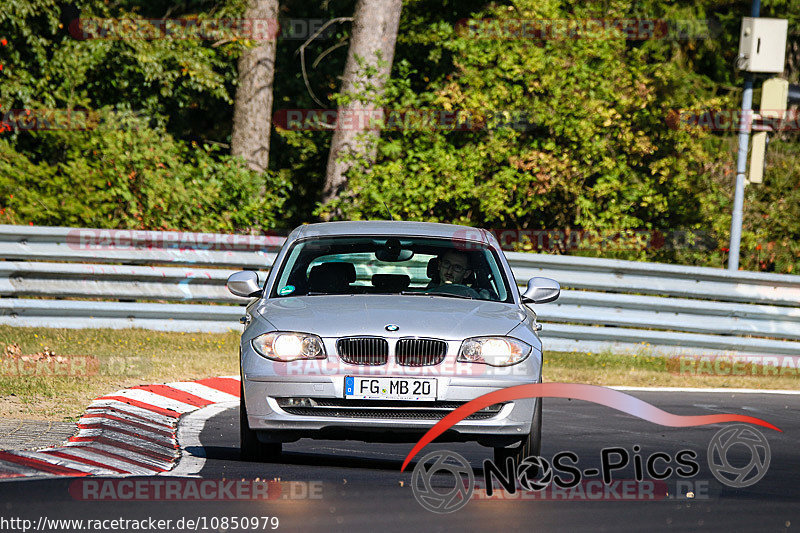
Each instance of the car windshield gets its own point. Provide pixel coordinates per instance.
(392, 265)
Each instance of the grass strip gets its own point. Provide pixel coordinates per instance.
(94, 362)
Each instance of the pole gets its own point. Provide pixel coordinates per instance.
(741, 167)
(741, 160)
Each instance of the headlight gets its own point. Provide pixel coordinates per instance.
(493, 351)
(288, 346)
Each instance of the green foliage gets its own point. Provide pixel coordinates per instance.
(565, 133)
(156, 159)
(577, 133)
(771, 235)
(126, 174)
(594, 151)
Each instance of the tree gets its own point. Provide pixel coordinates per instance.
(369, 62)
(148, 114)
(252, 115)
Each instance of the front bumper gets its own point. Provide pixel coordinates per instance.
(267, 384)
(506, 425)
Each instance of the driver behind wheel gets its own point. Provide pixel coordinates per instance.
(454, 271)
(454, 267)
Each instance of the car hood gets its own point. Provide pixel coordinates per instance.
(422, 316)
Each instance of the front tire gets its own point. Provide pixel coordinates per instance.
(250, 447)
(531, 446)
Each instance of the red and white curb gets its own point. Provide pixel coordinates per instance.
(128, 432)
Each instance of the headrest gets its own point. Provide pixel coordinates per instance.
(344, 271)
(331, 276)
(433, 268)
(391, 282)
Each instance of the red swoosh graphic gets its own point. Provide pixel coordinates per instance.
(590, 393)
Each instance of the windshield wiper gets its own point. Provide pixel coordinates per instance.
(435, 293)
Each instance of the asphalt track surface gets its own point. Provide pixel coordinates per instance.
(353, 486)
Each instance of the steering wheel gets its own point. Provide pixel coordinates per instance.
(455, 288)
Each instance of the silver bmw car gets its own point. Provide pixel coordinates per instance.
(376, 330)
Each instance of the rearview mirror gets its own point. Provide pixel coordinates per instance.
(541, 291)
(244, 283)
(392, 252)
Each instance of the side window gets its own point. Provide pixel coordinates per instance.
(283, 287)
(495, 277)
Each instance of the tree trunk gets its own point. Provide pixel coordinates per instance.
(374, 34)
(252, 112)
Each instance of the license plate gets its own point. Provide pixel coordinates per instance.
(412, 389)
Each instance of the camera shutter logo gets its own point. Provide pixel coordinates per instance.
(529, 469)
(448, 498)
(733, 438)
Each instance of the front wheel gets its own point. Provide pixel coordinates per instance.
(251, 448)
(531, 446)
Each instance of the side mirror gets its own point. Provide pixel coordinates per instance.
(541, 291)
(244, 283)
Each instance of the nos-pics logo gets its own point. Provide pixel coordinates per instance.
(450, 492)
(738, 436)
(444, 494)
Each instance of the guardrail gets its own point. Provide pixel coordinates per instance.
(65, 277)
